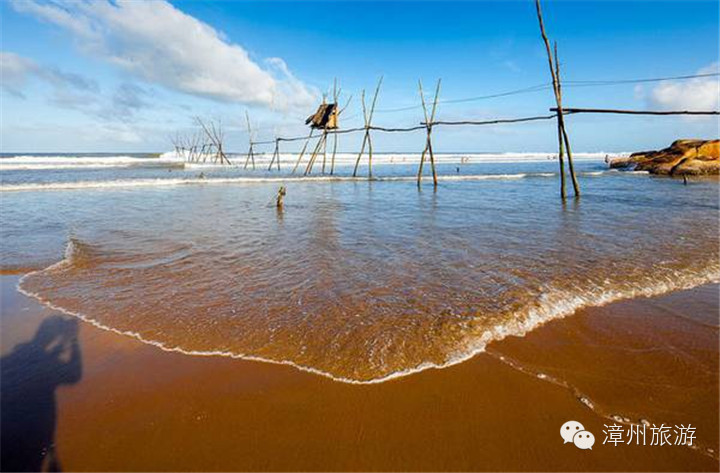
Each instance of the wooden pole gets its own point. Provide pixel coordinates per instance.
(302, 152)
(429, 140)
(311, 161)
(556, 91)
(334, 151)
(572, 110)
(561, 146)
(571, 168)
(335, 135)
(429, 121)
(372, 112)
(365, 136)
(368, 115)
(325, 130)
(277, 149)
(250, 157)
(251, 154)
(276, 155)
(324, 140)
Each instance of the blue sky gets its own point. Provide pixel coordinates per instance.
(124, 76)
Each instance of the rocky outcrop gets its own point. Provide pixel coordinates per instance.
(682, 158)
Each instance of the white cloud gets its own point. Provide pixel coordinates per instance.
(160, 44)
(701, 93)
(17, 71)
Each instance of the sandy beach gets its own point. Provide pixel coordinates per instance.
(138, 408)
(359, 236)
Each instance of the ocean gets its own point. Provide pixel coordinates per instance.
(357, 280)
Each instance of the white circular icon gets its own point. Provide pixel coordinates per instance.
(569, 429)
(584, 440)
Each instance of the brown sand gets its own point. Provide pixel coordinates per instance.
(139, 408)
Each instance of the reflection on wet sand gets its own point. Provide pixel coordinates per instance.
(30, 375)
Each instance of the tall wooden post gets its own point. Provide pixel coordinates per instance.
(334, 152)
(576, 186)
(335, 133)
(251, 154)
(365, 136)
(276, 155)
(302, 152)
(313, 156)
(367, 115)
(429, 118)
(324, 150)
(562, 133)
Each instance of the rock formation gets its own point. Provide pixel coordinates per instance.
(682, 158)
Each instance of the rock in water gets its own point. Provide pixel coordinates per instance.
(682, 158)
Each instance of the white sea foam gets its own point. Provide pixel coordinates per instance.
(552, 305)
(33, 163)
(132, 183)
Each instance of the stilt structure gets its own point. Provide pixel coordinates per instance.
(251, 153)
(325, 119)
(215, 135)
(557, 90)
(429, 121)
(367, 116)
(322, 119)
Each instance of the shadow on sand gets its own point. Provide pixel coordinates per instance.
(30, 375)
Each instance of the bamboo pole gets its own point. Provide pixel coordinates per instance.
(302, 151)
(368, 115)
(334, 152)
(372, 112)
(558, 99)
(276, 155)
(325, 130)
(324, 150)
(496, 121)
(336, 97)
(573, 110)
(365, 136)
(336, 132)
(576, 186)
(429, 122)
(316, 151)
(251, 154)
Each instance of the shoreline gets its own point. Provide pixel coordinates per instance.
(130, 391)
(564, 309)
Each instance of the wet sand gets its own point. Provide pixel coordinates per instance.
(136, 407)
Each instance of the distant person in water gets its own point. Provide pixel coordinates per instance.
(280, 199)
(30, 375)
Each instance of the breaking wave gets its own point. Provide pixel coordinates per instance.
(130, 183)
(32, 163)
(551, 303)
